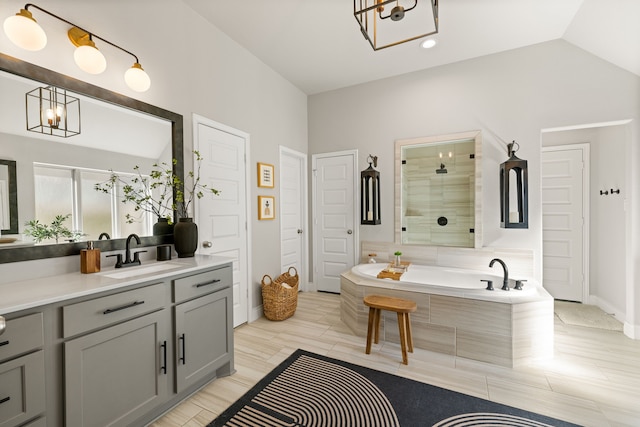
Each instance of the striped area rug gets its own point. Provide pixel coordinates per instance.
(309, 390)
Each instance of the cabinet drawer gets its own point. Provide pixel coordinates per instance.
(21, 389)
(21, 335)
(202, 283)
(40, 422)
(104, 311)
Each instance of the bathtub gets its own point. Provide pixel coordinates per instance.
(448, 281)
(456, 315)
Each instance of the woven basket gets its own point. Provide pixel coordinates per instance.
(280, 302)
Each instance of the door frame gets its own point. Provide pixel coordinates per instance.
(304, 192)
(586, 207)
(197, 120)
(356, 215)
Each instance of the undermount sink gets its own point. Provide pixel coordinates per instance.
(139, 271)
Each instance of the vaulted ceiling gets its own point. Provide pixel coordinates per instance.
(317, 44)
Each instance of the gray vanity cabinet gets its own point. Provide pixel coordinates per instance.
(203, 319)
(22, 395)
(121, 357)
(117, 374)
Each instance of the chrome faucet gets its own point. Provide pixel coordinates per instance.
(505, 281)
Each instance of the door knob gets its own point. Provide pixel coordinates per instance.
(207, 244)
(299, 231)
(349, 231)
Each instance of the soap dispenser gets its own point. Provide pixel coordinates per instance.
(90, 259)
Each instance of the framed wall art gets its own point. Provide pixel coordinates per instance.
(265, 175)
(266, 207)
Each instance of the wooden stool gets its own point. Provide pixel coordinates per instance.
(402, 307)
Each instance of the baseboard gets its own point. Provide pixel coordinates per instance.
(632, 331)
(607, 307)
(256, 313)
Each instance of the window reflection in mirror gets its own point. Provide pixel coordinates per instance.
(67, 190)
(437, 200)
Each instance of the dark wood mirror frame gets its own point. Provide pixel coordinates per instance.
(44, 75)
(12, 197)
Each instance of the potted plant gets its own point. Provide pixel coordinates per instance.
(186, 193)
(185, 232)
(152, 193)
(398, 254)
(56, 230)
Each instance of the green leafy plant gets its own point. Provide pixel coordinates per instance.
(397, 253)
(152, 193)
(186, 193)
(55, 230)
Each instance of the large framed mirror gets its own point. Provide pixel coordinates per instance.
(438, 190)
(104, 115)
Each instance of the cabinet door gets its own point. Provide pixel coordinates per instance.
(21, 389)
(204, 336)
(114, 375)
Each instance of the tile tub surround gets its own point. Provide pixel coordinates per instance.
(507, 333)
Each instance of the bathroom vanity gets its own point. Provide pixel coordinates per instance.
(116, 348)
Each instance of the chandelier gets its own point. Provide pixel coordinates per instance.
(386, 23)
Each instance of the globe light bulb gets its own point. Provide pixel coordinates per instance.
(90, 59)
(137, 79)
(24, 31)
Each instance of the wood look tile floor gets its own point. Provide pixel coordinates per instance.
(593, 379)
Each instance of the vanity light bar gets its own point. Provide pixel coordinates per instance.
(23, 30)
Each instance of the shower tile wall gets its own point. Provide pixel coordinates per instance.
(429, 195)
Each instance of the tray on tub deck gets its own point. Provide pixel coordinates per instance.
(393, 271)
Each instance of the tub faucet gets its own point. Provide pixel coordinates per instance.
(505, 281)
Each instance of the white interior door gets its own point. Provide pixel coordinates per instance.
(222, 219)
(335, 226)
(563, 224)
(293, 213)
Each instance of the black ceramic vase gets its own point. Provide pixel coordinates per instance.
(185, 237)
(162, 227)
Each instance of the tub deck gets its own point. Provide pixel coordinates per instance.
(506, 330)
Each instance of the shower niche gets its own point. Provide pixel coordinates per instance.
(437, 190)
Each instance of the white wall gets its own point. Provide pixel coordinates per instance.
(194, 68)
(509, 96)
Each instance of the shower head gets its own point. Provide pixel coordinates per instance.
(442, 169)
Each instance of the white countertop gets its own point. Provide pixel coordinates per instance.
(27, 294)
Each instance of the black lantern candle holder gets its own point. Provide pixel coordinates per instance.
(370, 193)
(514, 188)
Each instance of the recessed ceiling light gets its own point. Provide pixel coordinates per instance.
(428, 43)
